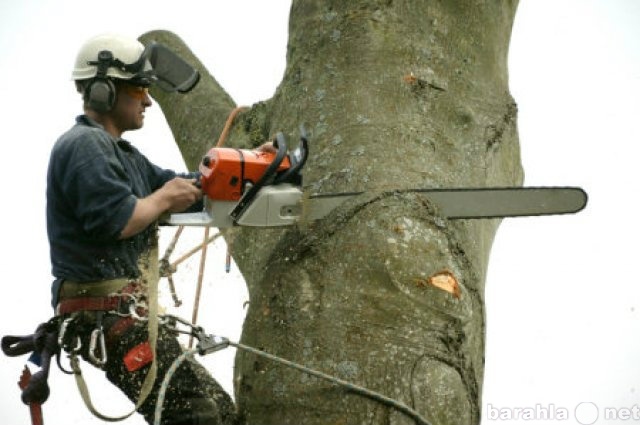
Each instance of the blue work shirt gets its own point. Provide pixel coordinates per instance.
(93, 182)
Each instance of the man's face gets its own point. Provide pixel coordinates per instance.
(131, 102)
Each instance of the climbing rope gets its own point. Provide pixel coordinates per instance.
(165, 382)
(196, 301)
(210, 344)
(228, 123)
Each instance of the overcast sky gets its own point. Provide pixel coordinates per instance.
(563, 308)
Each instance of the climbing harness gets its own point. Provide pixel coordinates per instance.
(152, 329)
(128, 307)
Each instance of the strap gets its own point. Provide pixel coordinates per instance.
(153, 277)
(71, 305)
(103, 288)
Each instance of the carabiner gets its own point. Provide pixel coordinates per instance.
(98, 335)
(62, 333)
(63, 330)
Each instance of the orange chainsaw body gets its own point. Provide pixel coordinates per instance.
(226, 171)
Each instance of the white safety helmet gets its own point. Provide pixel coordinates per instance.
(126, 58)
(108, 57)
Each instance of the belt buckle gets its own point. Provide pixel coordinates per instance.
(126, 303)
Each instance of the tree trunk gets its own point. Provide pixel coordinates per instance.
(383, 292)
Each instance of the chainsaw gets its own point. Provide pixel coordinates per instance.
(264, 189)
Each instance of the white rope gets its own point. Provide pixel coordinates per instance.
(165, 383)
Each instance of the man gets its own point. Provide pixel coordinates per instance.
(103, 201)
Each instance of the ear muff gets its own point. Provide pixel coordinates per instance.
(100, 95)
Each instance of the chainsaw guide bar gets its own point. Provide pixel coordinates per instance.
(477, 203)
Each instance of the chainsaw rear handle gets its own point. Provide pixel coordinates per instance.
(268, 175)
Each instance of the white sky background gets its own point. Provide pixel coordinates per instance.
(563, 294)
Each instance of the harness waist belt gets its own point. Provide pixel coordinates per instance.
(107, 295)
(103, 288)
(71, 305)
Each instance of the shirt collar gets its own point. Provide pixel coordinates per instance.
(86, 120)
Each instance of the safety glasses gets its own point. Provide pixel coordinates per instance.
(136, 92)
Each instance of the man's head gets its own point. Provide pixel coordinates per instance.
(113, 72)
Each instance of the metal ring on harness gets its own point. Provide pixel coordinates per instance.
(134, 304)
(134, 313)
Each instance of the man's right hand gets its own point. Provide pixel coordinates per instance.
(176, 195)
(180, 194)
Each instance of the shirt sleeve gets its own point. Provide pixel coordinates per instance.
(98, 190)
(160, 176)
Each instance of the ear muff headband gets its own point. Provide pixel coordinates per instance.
(100, 94)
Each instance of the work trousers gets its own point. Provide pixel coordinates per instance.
(193, 396)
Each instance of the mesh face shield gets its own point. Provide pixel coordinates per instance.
(171, 72)
(168, 70)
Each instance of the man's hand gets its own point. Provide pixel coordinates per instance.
(180, 194)
(176, 195)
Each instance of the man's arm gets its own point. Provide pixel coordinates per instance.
(174, 196)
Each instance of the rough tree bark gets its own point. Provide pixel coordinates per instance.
(384, 292)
